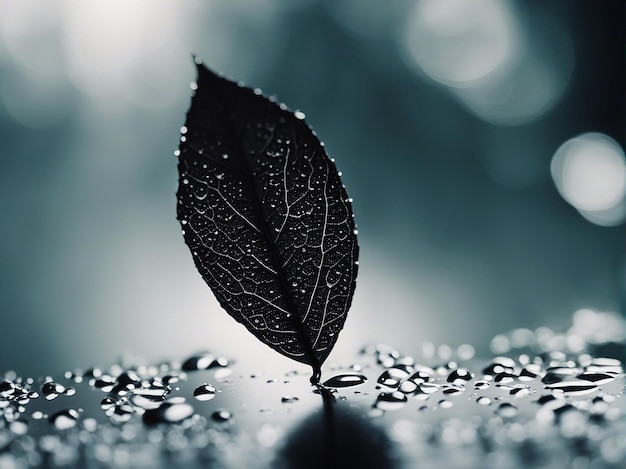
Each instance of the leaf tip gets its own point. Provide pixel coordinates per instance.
(204, 72)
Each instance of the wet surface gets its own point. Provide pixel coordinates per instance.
(548, 399)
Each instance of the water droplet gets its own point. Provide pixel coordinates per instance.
(299, 115)
(596, 378)
(105, 383)
(459, 375)
(7, 388)
(573, 387)
(203, 361)
(22, 399)
(563, 371)
(421, 376)
(129, 379)
(120, 413)
(408, 387)
(527, 374)
(506, 410)
(500, 365)
(551, 378)
(453, 390)
(225, 156)
(345, 380)
(546, 398)
(51, 390)
(390, 401)
(18, 427)
(289, 399)
(519, 392)
(221, 416)
(392, 377)
(170, 379)
(602, 361)
(148, 398)
(484, 400)
(406, 363)
(481, 384)
(445, 404)
(204, 392)
(183, 130)
(168, 412)
(428, 388)
(64, 419)
(107, 403)
(504, 377)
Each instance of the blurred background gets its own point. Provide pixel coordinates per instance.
(482, 142)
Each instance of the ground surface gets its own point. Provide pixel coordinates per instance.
(545, 399)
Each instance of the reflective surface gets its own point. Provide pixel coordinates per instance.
(556, 400)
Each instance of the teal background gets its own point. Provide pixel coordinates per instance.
(463, 234)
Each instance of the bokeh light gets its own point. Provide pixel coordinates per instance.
(589, 171)
(505, 66)
(119, 48)
(534, 80)
(35, 91)
(458, 42)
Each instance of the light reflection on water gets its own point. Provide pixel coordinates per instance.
(558, 404)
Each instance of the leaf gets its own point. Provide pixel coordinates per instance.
(267, 219)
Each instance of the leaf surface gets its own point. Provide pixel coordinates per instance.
(266, 218)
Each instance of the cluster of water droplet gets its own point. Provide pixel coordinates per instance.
(43, 422)
(535, 406)
(543, 403)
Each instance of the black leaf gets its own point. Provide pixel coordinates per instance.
(267, 219)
